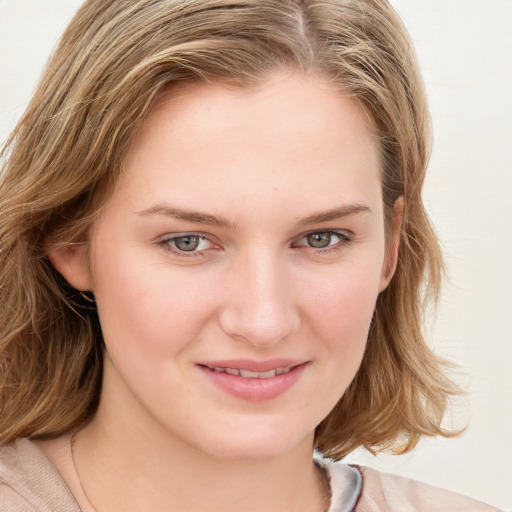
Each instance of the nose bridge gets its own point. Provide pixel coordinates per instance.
(260, 307)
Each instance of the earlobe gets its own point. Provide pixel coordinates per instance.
(391, 260)
(72, 261)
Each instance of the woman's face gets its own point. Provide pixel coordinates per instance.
(237, 266)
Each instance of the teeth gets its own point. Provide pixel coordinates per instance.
(257, 375)
(247, 374)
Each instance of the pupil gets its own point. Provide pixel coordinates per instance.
(187, 243)
(319, 240)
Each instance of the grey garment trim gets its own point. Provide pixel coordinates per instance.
(346, 484)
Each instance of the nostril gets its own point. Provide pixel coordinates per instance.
(265, 327)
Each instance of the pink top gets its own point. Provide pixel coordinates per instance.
(30, 483)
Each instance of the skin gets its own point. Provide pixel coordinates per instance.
(268, 164)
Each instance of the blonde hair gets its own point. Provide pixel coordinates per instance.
(112, 63)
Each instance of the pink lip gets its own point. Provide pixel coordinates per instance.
(254, 389)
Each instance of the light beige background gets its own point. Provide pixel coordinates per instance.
(465, 49)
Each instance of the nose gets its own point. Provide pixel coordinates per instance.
(259, 305)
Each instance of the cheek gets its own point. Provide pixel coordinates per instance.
(344, 300)
(340, 314)
(147, 311)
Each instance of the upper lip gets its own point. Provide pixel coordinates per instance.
(253, 366)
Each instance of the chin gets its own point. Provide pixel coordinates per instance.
(252, 452)
(258, 445)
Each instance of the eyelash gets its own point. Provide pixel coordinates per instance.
(345, 238)
(166, 245)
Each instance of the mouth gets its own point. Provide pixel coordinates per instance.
(248, 374)
(255, 381)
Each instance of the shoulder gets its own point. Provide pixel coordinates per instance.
(30, 482)
(383, 492)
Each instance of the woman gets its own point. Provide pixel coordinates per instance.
(213, 253)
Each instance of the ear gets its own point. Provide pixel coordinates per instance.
(391, 259)
(72, 261)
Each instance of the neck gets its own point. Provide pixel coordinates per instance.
(164, 474)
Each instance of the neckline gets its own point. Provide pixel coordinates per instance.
(36, 478)
(345, 481)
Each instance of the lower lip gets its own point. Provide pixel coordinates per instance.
(255, 390)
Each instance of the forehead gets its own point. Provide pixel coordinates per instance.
(288, 103)
(291, 133)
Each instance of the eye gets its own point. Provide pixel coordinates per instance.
(319, 240)
(324, 239)
(186, 243)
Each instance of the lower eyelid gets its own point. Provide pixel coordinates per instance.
(168, 244)
(342, 236)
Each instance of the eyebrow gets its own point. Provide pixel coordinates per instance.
(334, 214)
(187, 216)
(207, 219)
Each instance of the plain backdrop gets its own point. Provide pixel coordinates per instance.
(465, 50)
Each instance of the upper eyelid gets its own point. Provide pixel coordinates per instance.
(178, 234)
(166, 242)
(172, 236)
(346, 237)
(206, 236)
(340, 232)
